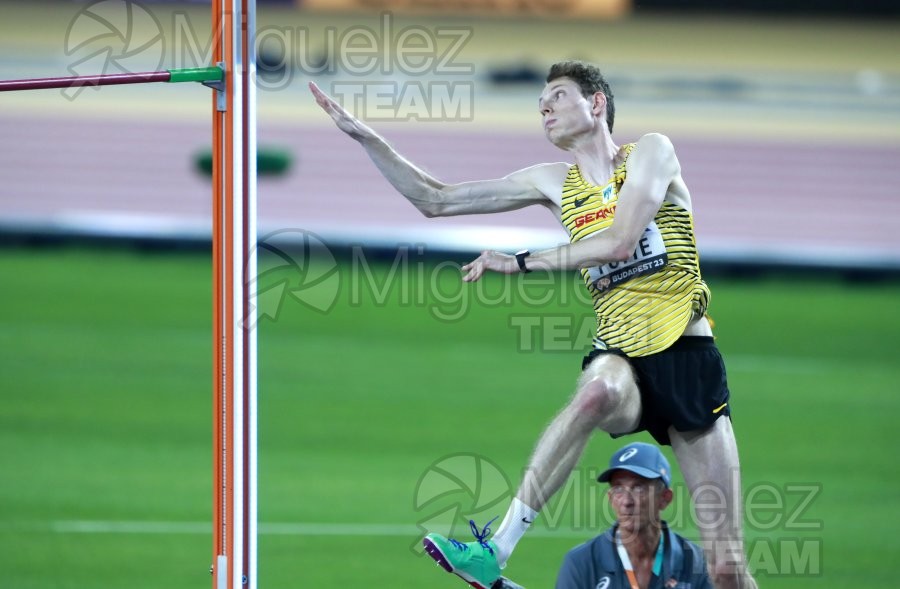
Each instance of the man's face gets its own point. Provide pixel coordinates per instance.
(565, 113)
(637, 501)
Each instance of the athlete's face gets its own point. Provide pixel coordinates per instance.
(637, 501)
(566, 114)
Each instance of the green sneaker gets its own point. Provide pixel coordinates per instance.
(475, 562)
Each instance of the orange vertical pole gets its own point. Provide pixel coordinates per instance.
(234, 269)
(218, 360)
(223, 344)
(219, 510)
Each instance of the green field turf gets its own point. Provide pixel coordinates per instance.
(105, 433)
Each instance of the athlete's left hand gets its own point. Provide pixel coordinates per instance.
(490, 260)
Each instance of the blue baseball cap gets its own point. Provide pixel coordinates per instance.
(642, 459)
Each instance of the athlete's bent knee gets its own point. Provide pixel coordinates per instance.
(599, 397)
(607, 397)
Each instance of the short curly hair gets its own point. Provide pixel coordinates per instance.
(589, 79)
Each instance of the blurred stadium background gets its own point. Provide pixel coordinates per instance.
(393, 399)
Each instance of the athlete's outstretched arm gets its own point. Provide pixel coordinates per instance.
(431, 196)
(650, 170)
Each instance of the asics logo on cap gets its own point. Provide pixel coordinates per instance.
(628, 455)
(603, 584)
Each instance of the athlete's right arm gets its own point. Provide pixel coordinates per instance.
(431, 196)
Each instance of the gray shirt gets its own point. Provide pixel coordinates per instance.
(596, 565)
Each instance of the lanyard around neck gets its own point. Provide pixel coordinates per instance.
(626, 562)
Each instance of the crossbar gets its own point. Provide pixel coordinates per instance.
(201, 74)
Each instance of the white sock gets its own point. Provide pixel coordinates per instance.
(512, 528)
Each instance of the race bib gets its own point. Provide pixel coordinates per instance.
(649, 257)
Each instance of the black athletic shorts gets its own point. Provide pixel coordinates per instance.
(683, 386)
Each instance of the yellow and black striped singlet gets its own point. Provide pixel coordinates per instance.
(644, 303)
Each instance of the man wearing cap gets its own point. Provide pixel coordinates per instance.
(639, 551)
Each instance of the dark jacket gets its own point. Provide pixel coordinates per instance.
(596, 565)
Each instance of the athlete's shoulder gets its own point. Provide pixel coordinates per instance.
(653, 157)
(547, 178)
(543, 172)
(656, 142)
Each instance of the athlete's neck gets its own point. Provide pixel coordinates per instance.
(597, 158)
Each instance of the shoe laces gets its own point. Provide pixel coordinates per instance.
(457, 544)
(481, 535)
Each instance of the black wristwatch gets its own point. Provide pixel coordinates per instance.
(520, 258)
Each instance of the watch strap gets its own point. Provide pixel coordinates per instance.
(520, 259)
